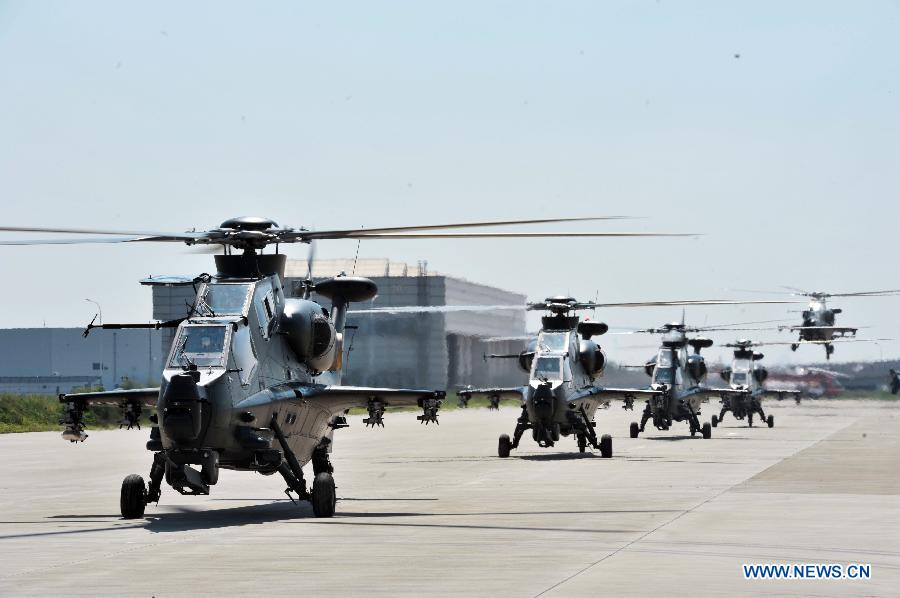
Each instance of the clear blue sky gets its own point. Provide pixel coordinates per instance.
(173, 115)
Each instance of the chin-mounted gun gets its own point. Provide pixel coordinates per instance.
(430, 407)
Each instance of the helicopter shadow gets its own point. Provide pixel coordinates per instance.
(183, 519)
(557, 457)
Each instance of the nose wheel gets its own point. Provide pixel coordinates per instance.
(324, 495)
(504, 446)
(606, 446)
(635, 429)
(133, 498)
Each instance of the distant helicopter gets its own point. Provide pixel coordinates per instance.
(682, 378)
(818, 325)
(252, 380)
(746, 373)
(563, 393)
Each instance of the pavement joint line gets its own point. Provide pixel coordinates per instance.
(682, 514)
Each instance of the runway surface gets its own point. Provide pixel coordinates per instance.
(433, 511)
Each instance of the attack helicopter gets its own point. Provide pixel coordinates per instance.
(562, 395)
(747, 373)
(681, 376)
(252, 381)
(818, 325)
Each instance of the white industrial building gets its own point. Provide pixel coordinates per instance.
(432, 350)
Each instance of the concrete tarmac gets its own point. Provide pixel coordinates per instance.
(433, 511)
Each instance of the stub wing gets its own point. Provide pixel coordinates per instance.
(708, 392)
(335, 399)
(627, 395)
(144, 396)
(494, 395)
(781, 393)
(834, 329)
(131, 401)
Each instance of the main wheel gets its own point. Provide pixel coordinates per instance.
(707, 431)
(635, 429)
(133, 498)
(582, 444)
(750, 419)
(714, 421)
(606, 446)
(771, 421)
(324, 497)
(504, 446)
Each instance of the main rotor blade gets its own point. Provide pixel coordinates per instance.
(435, 309)
(74, 241)
(796, 290)
(368, 235)
(867, 293)
(92, 231)
(684, 302)
(351, 232)
(750, 324)
(837, 340)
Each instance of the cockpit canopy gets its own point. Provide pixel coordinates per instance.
(203, 345)
(547, 367)
(224, 299)
(555, 342)
(666, 363)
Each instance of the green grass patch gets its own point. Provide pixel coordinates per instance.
(37, 413)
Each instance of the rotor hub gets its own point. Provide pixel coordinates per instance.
(249, 223)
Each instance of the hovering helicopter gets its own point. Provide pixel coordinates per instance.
(818, 325)
(746, 373)
(252, 380)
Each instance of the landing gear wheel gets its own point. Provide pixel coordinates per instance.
(714, 421)
(771, 421)
(694, 430)
(133, 498)
(635, 429)
(324, 497)
(707, 431)
(582, 444)
(750, 419)
(504, 446)
(606, 446)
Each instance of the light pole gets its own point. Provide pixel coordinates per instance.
(99, 315)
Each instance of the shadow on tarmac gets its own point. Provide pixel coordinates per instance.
(187, 519)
